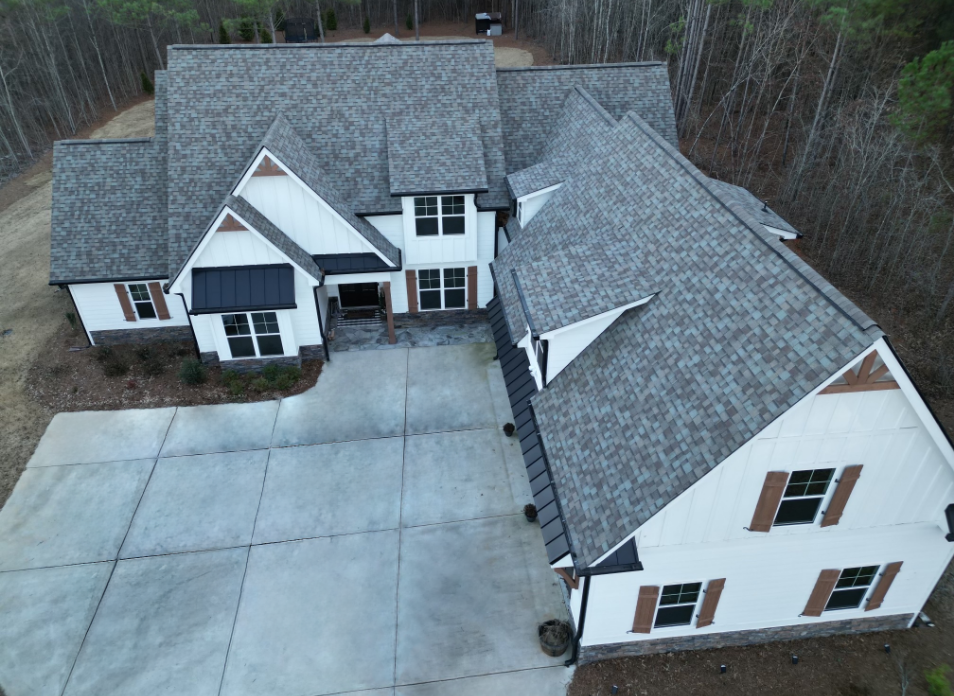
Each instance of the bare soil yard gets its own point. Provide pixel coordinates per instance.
(31, 312)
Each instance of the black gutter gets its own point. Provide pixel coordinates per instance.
(321, 328)
(195, 341)
(523, 303)
(232, 310)
(87, 281)
(579, 629)
(439, 193)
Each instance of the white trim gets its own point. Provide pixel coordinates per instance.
(784, 234)
(250, 172)
(442, 289)
(176, 286)
(596, 317)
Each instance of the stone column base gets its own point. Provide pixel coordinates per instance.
(156, 334)
(243, 365)
(594, 653)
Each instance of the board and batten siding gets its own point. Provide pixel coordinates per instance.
(443, 250)
(391, 226)
(308, 221)
(99, 308)
(895, 513)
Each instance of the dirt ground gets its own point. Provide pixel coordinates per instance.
(508, 52)
(31, 311)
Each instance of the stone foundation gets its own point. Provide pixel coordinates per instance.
(158, 334)
(450, 317)
(594, 653)
(243, 365)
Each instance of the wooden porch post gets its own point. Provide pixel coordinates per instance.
(392, 339)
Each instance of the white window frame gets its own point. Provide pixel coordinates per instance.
(864, 597)
(439, 216)
(821, 498)
(136, 303)
(692, 617)
(442, 288)
(254, 335)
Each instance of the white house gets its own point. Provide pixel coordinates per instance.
(722, 448)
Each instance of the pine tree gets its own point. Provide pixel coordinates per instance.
(331, 20)
(224, 37)
(246, 29)
(409, 22)
(367, 25)
(264, 35)
(147, 85)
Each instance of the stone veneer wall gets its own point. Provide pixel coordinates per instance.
(594, 653)
(243, 365)
(448, 317)
(156, 334)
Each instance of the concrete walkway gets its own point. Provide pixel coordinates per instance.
(365, 537)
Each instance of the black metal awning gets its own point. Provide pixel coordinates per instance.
(337, 264)
(520, 387)
(242, 289)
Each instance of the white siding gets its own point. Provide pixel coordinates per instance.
(440, 249)
(399, 293)
(486, 231)
(768, 584)
(202, 326)
(304, 319)
(391, 226)
(895, 513)
(311, 223)
(530, 205)
(564, 346)
(99, 308)
(238, 249)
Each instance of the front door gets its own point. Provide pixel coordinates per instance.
(358, 295)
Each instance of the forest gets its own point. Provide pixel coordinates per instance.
(837, 112)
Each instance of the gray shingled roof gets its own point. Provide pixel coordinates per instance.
(441, 152)
(337, 97)
(282, 141)
(531, 99)
(108, 217)
(580, 126)
(281, 240)
(736, 196)
(740, 330)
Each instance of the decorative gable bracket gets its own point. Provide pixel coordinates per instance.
(865, 379)
(268, 168)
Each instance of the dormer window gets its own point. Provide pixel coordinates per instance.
(438, 215)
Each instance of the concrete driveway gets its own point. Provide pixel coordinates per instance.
(365, 537)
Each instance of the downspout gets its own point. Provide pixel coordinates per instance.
(195, 341)
(579, 629)
(321, 326)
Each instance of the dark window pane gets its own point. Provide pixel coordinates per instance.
(453, 299)
(795, 490)
(429, 279)
(426, 227)
(454, 225)
(265, 322)
(241, 347)
(452, 205)
(145, 310)
(139, 292)
(454, 277)
(800, 476)
(270, 345)
(674, 616)
(425, 205)
(430, 299)
(236, 325)
(846, 599)
(797, 511)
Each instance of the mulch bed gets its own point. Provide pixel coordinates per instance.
(93, 379)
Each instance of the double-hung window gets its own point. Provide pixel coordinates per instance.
(438, 215)
(851, 588)
(253, 334)
(803, 496)
(442, 288)
(142, 300)
(677, 604)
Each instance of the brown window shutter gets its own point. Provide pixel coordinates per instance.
(846, 484)
(771, 496)
(159, 300)
(709, 604)
(645, 609)
(472, 287)
(410, 278)
(124, 302)
(819, 597)
(887, 577)
(572, 581)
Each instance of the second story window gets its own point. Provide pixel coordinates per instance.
(142, 301)
(803, 496)
(438, 215)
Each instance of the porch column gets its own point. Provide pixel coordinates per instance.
(392, 339)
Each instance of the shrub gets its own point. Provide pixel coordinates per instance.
(367, 25)
(331, 20)
(224, 37)
(264, 35)
(193, 372)
(71, 318)
(153, 368)
(230, 376)
(246, 29)
(143, 353)
(409, 22)
(271, 372)
(938, 685)
(104, 353)
(236, 388)
(259, 384)
(115, 368)
(147, 85)
(288, 378)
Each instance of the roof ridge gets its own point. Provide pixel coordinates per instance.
(583, 66)
(798, 266)
(591, 100)
(317, 46)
